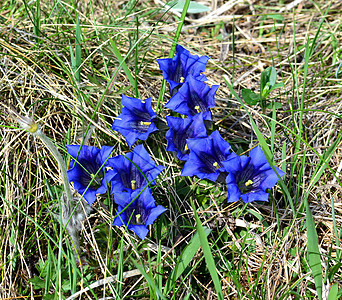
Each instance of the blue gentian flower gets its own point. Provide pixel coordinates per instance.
(176, 69)
(127, 176)
(250, 177)
(85, 164)
(193, 97)
(206, 156)
(181, 130)
(138, 213)
(136, 119)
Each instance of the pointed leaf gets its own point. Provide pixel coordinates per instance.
(250, 97)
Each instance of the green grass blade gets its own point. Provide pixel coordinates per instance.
(185, 259)
(159, 270)
(78, 50)
(208, 255)
(37, 22)
(324, 161)
(314, 257)
(149, 280)
(336, 234)
(124, 65)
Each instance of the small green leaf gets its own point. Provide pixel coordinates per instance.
(273, 76)
(37, 283)
(277, 105)
(250, 97)
(333, 292)
(269, 75)
(265, 92)
(277, 86)
(277, 17)
(194, 7)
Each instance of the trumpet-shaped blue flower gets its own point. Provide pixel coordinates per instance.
(206, 156)
(86, 163)
(129, 170)
(136, 119)
(181, 130)
(137, 211)
(250, 177)
(193, 97)
(176, 69)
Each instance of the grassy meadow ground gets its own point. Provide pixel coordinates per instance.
(288, 248)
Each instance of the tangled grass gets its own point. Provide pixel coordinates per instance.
(67, 63)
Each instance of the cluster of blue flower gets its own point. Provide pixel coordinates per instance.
(130, 175)
(205, 156)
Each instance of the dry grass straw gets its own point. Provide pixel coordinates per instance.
(31, 81)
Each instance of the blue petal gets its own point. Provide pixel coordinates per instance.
(204, 92)
(178, 102)
(105, 152)
(90, 195)
(145, 201)
(123, 199)
(192, 96)
(236, 164)
(181, 130)
(140, 230)
(90, 158)
(73, 150)
(195, 166)
(120, 218)
(125, 169)
(182, 65)
(86, 152)
(192, 64)
(234, 192)
(258, 157)
(254, 196)
(134, 112)
(204, 153)
(271, 178)
(219, 143)
(154, 214)
(145, 162)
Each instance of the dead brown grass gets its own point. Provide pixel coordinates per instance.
(35, 80)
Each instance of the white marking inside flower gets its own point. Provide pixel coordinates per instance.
(249, 182)
(137, 218)
(198, 108)
(145, 123)
(133, 182)
(186, 147)
(181, 80)
(216, 165)
(142, 101)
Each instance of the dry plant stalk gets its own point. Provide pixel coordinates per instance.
(70, 216)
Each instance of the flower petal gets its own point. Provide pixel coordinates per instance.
(155, 213)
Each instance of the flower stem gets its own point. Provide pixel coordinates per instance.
(61, 164)
(67, 207)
